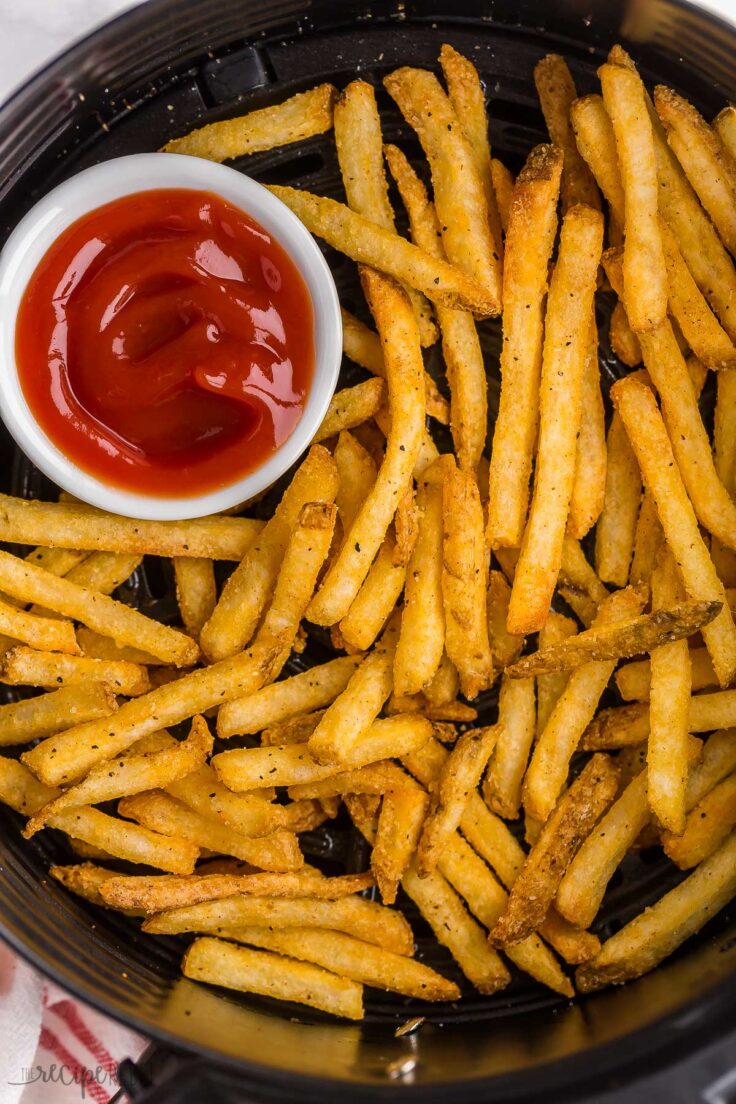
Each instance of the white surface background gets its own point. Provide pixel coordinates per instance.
(33, 31)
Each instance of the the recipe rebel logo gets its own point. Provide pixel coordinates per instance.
(97, 1083)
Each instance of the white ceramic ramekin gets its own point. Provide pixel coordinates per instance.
(112, 180)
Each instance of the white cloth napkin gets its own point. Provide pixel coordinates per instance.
(53, 1048)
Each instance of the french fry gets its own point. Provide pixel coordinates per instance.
(71, 525)
(246, 592)
(158, 893)
(464, 580)
(725, 126)
(658, 931)
(459, 777)
(130, 775)
(356, 708)
(356, 959)
(724, 454)
(645, 274)
(589, 488)
(616, 529)
(351, 406)
(462, 206)
(362, 345)
(299, 117)
(633, 679)
(572, 821)
(26, 667)
(444, 684)
(375, 778)
(248, 769)
(530, 235)
(460, 344)
(403, 812)
(362, 919)
(163, 814)
(367, 243)
(301, 693)
(503, 186)
(557, 93)
(505, 646)
(45, 715)
(85, 880)
(647, 542)
(578, 583)
(648, 436)
(548, 770)
(249, 814)
(567, 322)
(195, 592)
(629, 724)
(516, 724)
(220, 963)
(96, 646)
(47, 634)
(56, 560)
(359, 145)
(706, 826)
(596, 143)
(406, 400)
(624, 342)
(706, 161)
(376, 598)
(297, 730)
(468, 101)
(550, 686)
(356, 472)
(700, 327)
(68, 756)
(104, 571)
(627, 637)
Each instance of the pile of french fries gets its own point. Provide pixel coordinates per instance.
(436, 575)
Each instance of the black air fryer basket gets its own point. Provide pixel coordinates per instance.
(154, 73)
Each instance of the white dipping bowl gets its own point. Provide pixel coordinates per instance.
(95, 187)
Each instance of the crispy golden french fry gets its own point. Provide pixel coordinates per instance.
(248, 814)
(356, 475)
(356, 959)
(616, 529)
(158, 893)
(127, 626)
(629, 724)
(505, 646)
(460, 344)
(469, 104)
(706, 161)
(724, 452)
(548, 770)
(628, 637)
(351, 406)
(706, 827)
(398, 328)
(56, 560)
(26, 667)
(530, 235)
(406, 523)
(647, 433)
(596, 143)
(301, 693)
(462, 206)
(633, 679)
(104, 571)
(354, 915)
(403, 812)
(162, 813)
(459, 777)
(385, 251)
(725, 126)
(578, 583)
(669, 702)
(503, 186)
(375, 600)
(376, 778)
(47, 634)
(550, 686)
(700, 327)
(645, 274)
(516, 724)
(73, 525)
(455, 929)
(444, 685)
(557, 93)
(624, 342)
(45, 715)
(589, 488)
(195, 591)
(122, 840)
(362, 345)
(86, 880)
(299, 117)
(647, 542)
(246, 592)
(271, 975)
(572, 821)
(249, 769)
(96, 646)
(356, 708)
(658, 931)
(567, 328)
(297, 730)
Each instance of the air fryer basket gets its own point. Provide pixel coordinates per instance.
(154, 73)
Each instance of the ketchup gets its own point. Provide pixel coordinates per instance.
(165, 343)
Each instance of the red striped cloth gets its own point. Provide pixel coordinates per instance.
(54, 1049)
